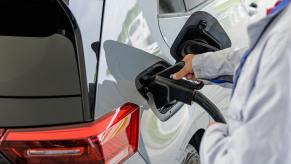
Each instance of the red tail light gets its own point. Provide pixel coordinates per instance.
(110, 139)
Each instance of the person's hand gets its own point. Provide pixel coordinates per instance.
(187, 70)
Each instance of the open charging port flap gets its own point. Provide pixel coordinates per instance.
(201, 33)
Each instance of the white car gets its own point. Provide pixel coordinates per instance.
(60, 102)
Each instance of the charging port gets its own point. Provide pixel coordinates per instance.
(154, 94)
(161, 96)
(163, 93)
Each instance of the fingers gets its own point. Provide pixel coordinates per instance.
(186, 71)
(179, 75)
(190, 76)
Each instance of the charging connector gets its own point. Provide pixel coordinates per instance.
(157, 85)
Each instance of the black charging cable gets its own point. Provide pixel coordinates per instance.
(208, 106)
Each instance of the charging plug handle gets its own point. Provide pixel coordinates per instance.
(157, 86)
(186, 91)
(178, 90)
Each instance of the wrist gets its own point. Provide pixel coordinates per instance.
(197, 66)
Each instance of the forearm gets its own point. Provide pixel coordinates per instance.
(214, 64)
(258, 131)
(214, 144)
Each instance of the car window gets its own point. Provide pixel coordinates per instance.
(178, 6)
(171, 6)
(190, 4)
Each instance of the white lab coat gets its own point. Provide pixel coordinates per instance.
(258, 129)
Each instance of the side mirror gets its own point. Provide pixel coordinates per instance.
(201, 33)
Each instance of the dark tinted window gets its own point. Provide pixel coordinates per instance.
(66, 1)
(171, 6)
(40, 65)
(37, 18)
(178, 6)
(37, 40)
(190, 4)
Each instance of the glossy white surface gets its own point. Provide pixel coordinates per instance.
(137, 23)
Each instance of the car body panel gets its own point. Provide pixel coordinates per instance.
(137, 23)
(89, 16)
(232, 14)
(228, 16)
(128, 22)
(136, 158)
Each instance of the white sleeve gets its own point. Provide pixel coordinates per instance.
(264, 132)
(214, 64)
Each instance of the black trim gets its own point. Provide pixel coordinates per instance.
(202, 28)
(197, 138)
(93, 104)
(200, 4)
(81, 61)
(185, 6)
(67, 1)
